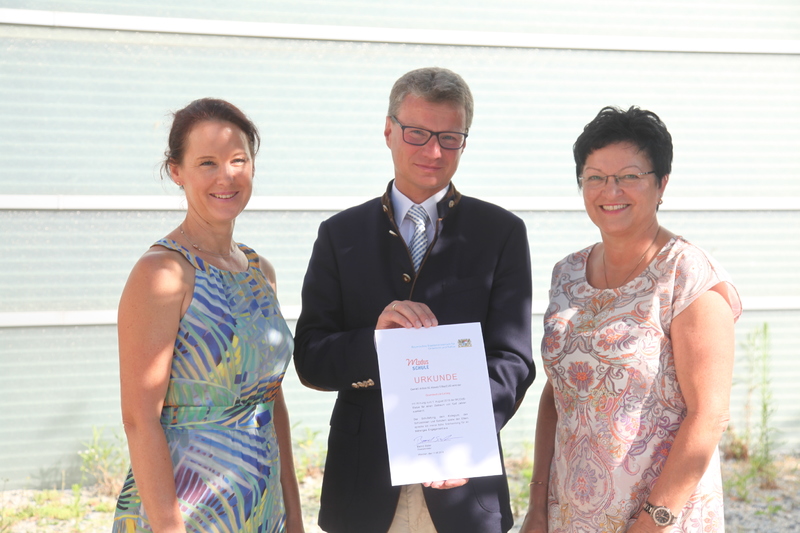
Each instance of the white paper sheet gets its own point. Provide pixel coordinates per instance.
(437, 403)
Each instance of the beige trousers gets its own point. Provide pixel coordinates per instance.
(412, 514)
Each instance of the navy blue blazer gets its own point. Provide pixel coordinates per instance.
(477, 269)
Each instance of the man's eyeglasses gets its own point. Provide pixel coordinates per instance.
(626, 181)
(449, 140)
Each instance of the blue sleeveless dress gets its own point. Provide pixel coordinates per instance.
(230, 355)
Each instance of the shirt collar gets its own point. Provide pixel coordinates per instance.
(401, 204)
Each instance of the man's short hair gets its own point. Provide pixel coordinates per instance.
(436, 85)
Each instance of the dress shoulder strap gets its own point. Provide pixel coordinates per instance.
(252, 256)
(169, 244)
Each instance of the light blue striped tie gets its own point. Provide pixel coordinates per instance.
(419, 241)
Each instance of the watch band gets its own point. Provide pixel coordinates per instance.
(662, 515)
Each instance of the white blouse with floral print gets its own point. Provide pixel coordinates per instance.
(608, 355)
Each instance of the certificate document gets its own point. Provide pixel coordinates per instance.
(437, 403)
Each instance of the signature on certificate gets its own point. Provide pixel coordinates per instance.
(435, 438)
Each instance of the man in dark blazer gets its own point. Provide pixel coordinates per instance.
(369, 271)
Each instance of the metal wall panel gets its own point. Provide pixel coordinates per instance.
(80, 260)
(85, 112)
(770, 19)
(93, 106)
(56, 384)
(785, 374)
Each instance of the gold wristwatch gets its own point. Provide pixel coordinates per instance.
(662, 516)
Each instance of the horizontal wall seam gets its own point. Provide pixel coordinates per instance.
(99, 21)
(337, 203)
(291, 312)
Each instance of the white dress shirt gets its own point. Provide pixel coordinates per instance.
(401, 204)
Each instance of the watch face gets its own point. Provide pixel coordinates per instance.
(662, 516)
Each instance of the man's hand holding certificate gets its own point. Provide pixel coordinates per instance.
(437, 403)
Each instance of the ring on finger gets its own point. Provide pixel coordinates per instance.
(393, 306)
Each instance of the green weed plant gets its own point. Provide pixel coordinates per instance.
(518, 472)
(104, 462)
(309, 456)
(755, 447)
(103, 467)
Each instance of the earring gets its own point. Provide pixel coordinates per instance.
(660, 201)
(179, 184)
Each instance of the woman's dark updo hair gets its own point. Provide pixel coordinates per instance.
(205, 109)
(637, 126)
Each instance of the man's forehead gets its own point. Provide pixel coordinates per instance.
(413, 104)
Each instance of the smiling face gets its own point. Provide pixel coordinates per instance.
(216, 172)
(619, 212)
(422, 171)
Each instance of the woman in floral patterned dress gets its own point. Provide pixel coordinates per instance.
(638, 348)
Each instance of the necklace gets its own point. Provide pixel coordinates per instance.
(196, 247)
(639, 262)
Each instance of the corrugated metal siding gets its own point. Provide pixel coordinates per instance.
(80, 260)
(785, 374)
(784, 328)
(553, 235)
(85, 112)
(772, 19)
(55, 385)
(759, 249)
(93, 106)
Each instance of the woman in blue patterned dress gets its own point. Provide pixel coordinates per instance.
(203, 349)
(638, 349)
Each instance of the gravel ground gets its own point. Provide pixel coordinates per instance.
(748, 506)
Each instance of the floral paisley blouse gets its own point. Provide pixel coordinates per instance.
(608, 356)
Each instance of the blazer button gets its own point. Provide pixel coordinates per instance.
(406, 278)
